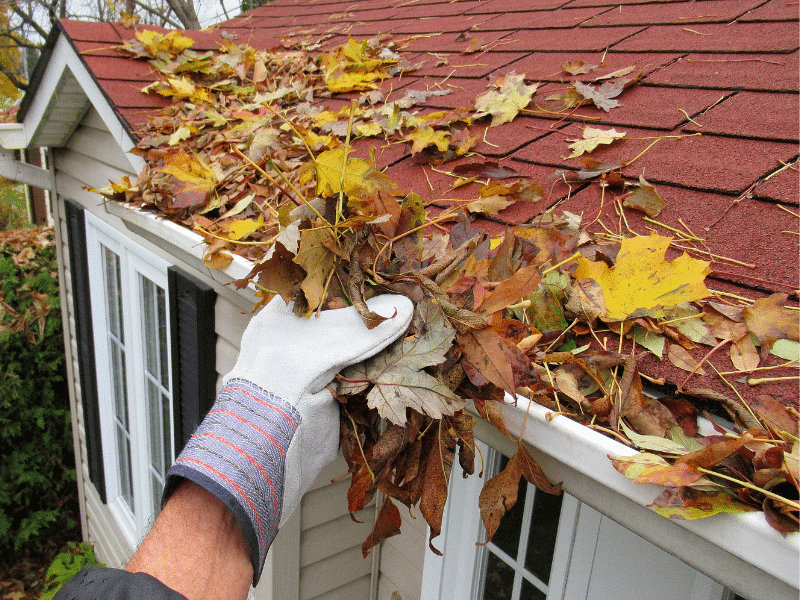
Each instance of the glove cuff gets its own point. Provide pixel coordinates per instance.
(238, 454)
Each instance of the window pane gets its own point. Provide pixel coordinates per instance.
(162, 336)
(113, 293)
(542, 539)
(120, 386)
(507, 536)
(531, 592)
(124, 462)
(499, 581)
(156, 487)
(156, 427)
(150, 327)
(166, 415)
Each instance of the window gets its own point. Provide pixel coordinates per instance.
(517, 563)
(550, 548)
(128, 289)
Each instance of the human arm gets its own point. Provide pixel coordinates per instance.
(272, 428)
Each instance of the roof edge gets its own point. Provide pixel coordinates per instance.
(39, 70)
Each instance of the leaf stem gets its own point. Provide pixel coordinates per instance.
(447, 214)
(563, 262)
(750, 486)
(360, 447)
(738, 395)
(643, 152)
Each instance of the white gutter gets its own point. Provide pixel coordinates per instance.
(740, 551)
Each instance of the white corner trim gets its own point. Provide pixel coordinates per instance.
(746, 536)
(65, 58)
(12, 136)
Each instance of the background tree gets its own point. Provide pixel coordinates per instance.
(25, 24)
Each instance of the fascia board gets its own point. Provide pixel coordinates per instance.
(724, 546)
(65, 57)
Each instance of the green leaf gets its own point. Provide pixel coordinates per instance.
(652, 442)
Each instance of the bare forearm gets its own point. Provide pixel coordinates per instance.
(197, 548)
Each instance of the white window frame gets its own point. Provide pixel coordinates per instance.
(457, 574)
(135, 262)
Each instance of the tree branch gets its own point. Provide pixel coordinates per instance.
(28, 20)
(164, 16)
(12, 77)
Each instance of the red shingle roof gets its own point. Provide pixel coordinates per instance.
(727, 69)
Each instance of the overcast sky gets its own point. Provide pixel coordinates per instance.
(210, 11)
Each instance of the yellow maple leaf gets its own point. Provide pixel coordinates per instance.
(422, 137)
(315, 256)
(196, 179)
(237, 229)
(642, 282)
(593, 137)
(336, 172)
(505, 103)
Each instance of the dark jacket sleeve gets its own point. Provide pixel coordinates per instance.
(102, 583)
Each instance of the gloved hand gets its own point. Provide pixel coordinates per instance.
(274, 424)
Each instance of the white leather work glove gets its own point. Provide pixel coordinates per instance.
(274, 424)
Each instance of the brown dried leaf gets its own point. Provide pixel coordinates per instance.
(387, 524)
(770, 321)
(679, 357)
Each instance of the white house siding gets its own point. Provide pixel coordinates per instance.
(402, 557)
(331, 563)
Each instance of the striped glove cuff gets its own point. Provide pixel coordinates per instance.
(238, 454)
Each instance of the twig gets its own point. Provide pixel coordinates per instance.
(715, 256)
(757, 381)
(705, 358)
(784, 365)
(750, 486)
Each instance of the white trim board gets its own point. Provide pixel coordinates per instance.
(65, 64)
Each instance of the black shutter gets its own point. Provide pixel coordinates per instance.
(194, 373)
(82, 311)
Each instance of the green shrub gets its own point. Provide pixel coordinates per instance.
(13, 214)
(67, 564)
(37, 474)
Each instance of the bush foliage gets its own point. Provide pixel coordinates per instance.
(67, 564)
(37, 474)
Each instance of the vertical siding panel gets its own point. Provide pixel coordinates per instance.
(402, 558)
